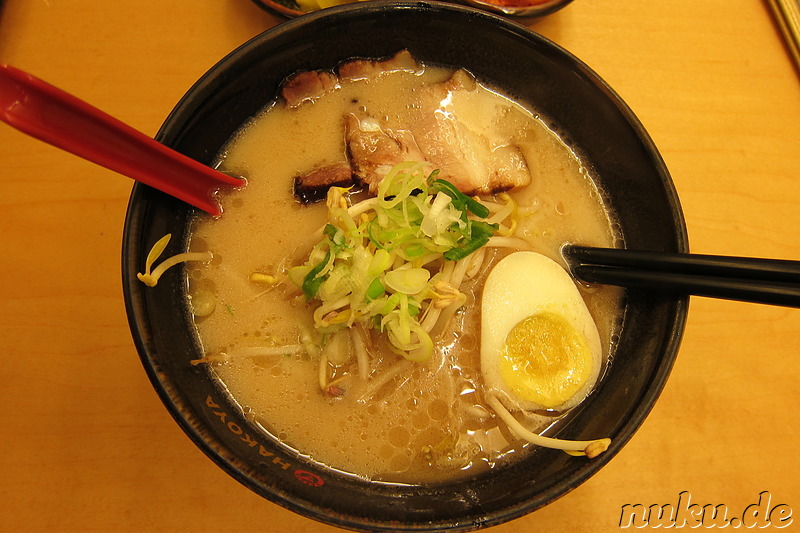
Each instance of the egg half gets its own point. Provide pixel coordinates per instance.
(540, 347)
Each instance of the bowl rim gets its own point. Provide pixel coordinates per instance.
(134, 214)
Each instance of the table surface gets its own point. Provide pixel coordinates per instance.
(86, 444)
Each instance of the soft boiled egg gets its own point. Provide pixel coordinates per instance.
(540, 347)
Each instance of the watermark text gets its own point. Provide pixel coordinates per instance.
(684, 513)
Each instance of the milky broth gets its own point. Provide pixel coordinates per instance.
(430, 421)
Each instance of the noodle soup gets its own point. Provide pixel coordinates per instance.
(356, 403)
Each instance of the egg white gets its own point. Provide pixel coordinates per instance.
(521, 285)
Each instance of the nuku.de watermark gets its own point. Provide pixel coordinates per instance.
(684, 513)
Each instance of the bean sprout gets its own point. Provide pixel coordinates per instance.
(589, 448)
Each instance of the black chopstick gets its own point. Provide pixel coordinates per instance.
(768, 281)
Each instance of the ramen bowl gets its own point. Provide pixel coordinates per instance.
(590, 116)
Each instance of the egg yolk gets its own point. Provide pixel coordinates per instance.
(545, 360)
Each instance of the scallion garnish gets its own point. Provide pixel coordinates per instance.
(370, 265)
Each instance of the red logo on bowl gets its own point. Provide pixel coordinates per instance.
(309, 478)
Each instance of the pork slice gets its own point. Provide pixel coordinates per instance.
(469, 153)
(307, 85)
(366, 68)
(313, 186)
(471, 162)
(447, 133)
(373, 150)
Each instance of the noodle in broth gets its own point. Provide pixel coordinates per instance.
(375, 414)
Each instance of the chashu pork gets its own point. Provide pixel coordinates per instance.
(307, 85)
(445, 135)
(445, 131)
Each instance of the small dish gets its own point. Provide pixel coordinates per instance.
(519, 8)
(285, 8)
(508, 8)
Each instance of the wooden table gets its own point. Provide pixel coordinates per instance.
(85, 444)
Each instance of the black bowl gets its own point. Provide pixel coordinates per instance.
(578, 104)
